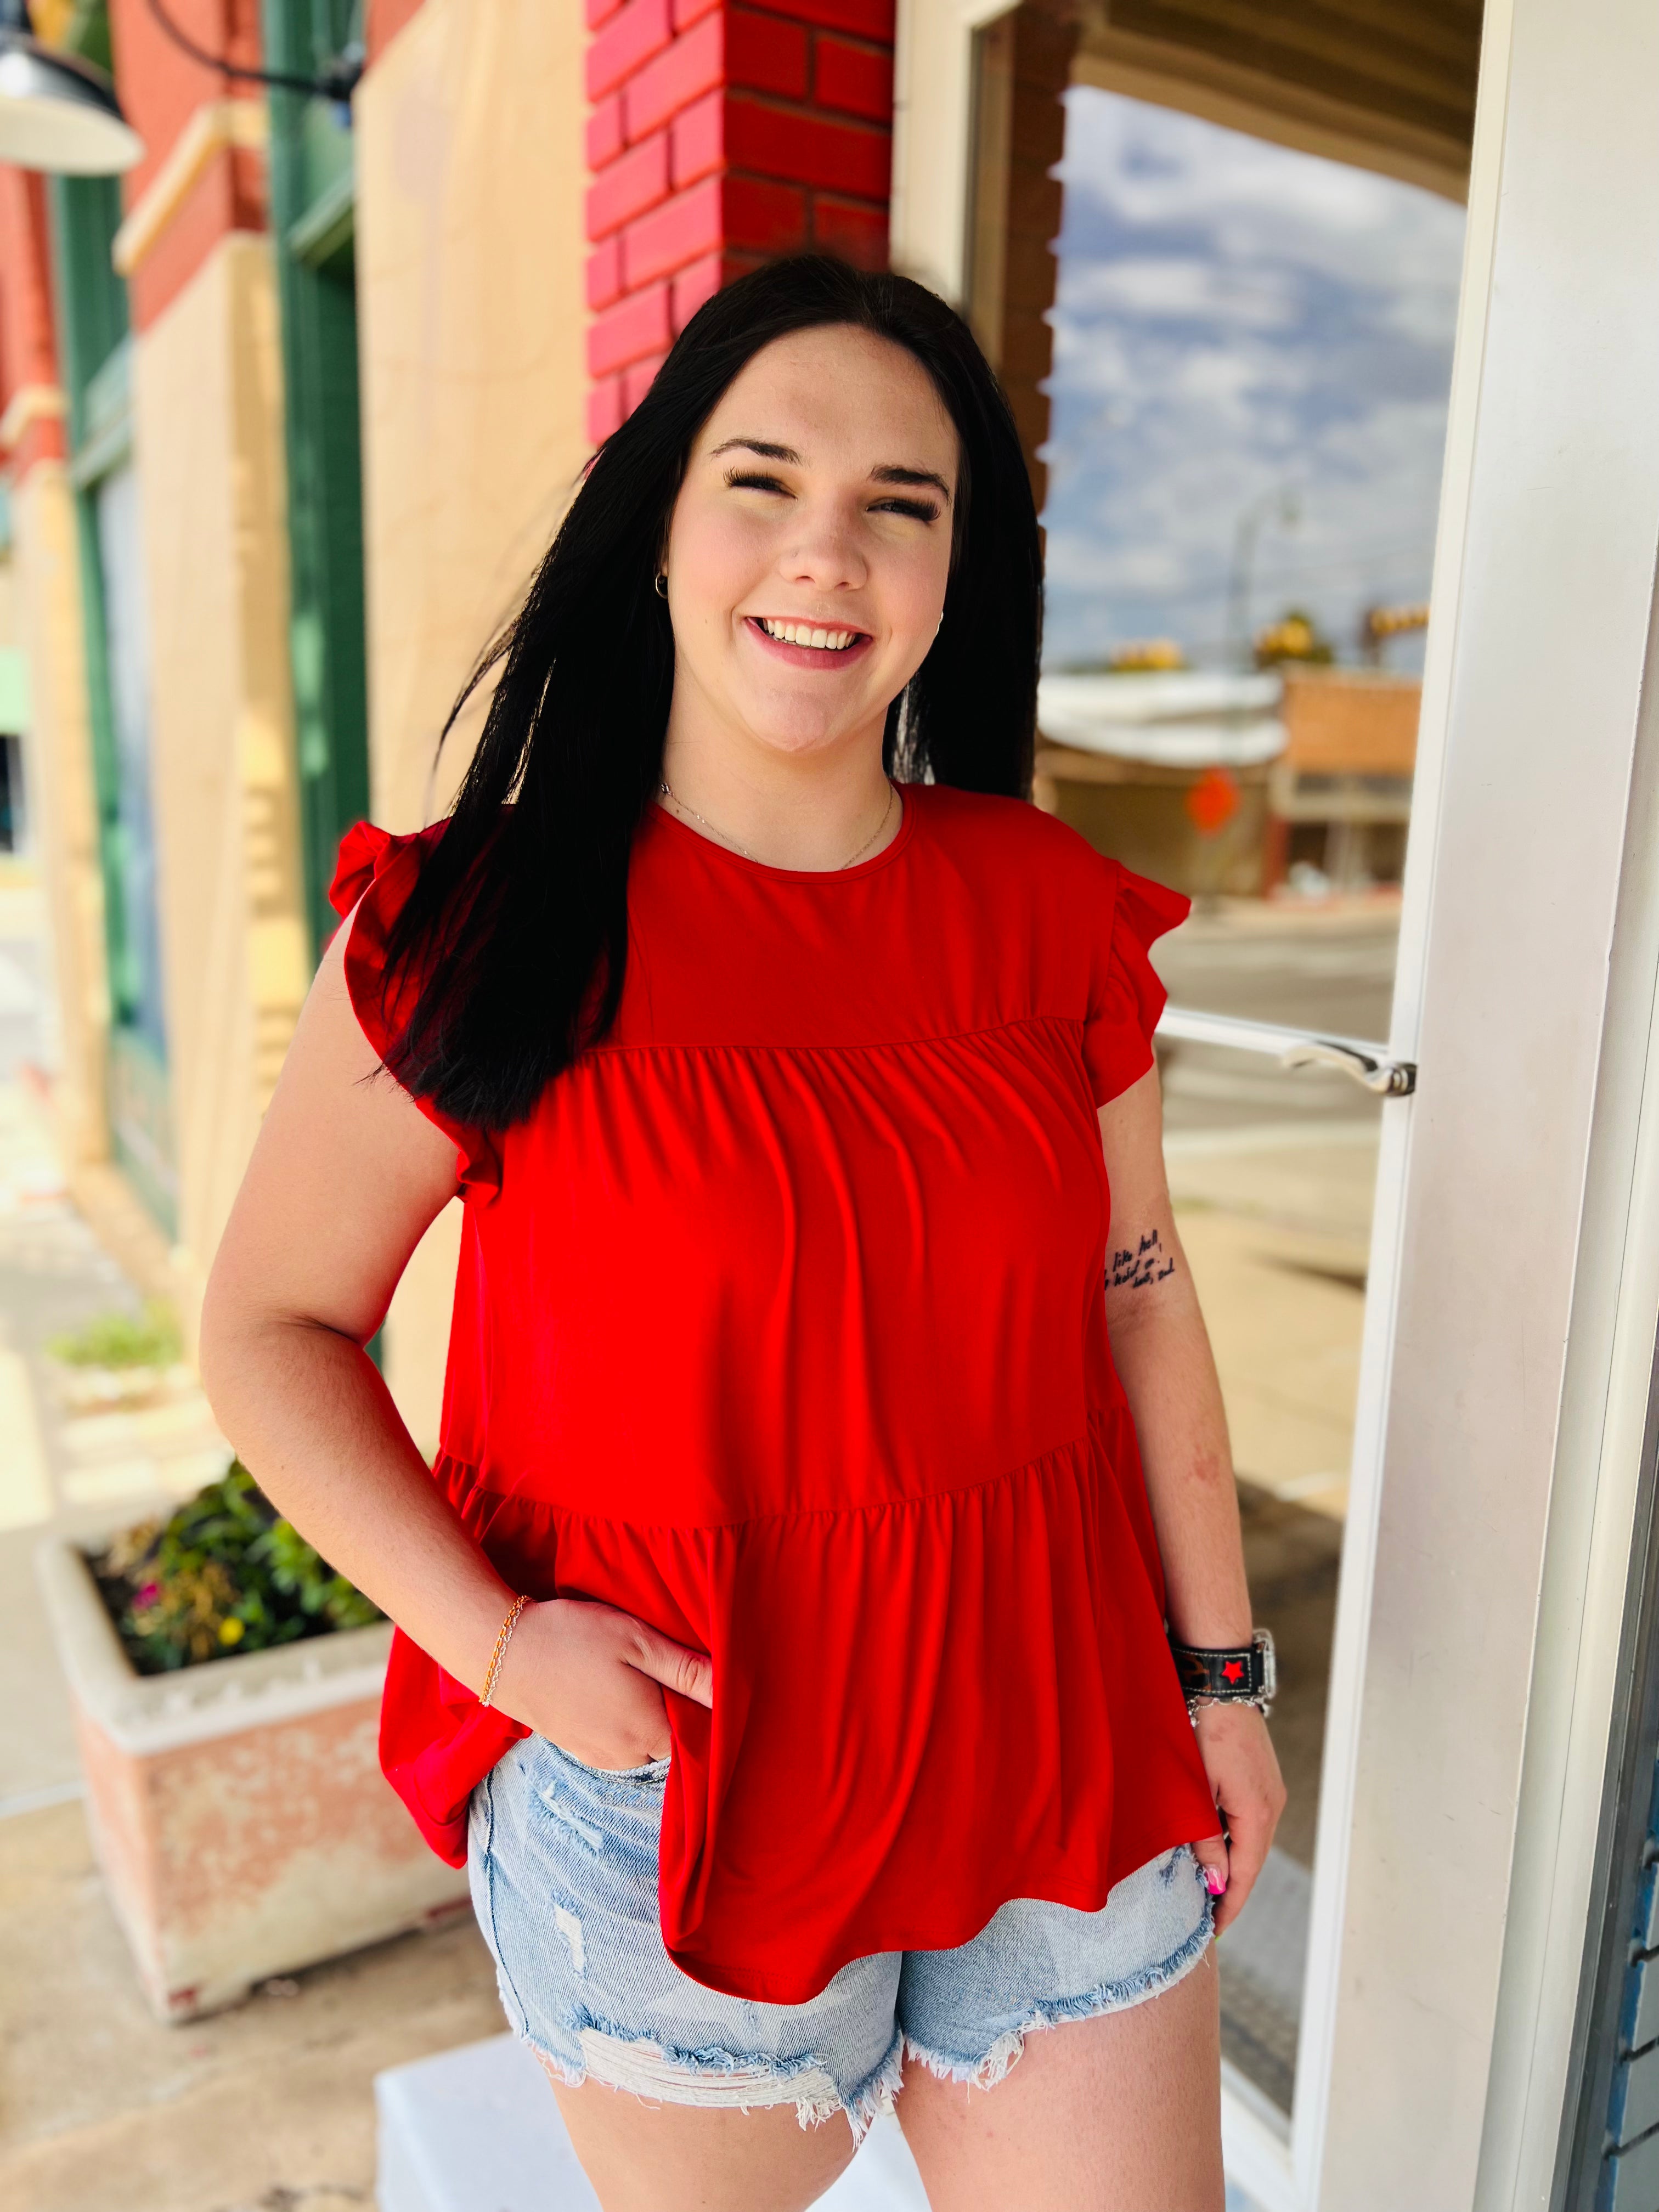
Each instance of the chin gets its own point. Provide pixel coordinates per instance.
(805, 732)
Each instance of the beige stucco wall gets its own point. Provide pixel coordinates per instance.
(63, 805)
(470, 288)
(207, 435)
(472, 327)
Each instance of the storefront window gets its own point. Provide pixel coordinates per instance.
(95, 352)
(1229, 355)
(314, 221)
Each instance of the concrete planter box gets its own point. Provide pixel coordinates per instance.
(238, 1809)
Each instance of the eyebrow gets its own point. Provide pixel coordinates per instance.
(895, 476)
(891, 474)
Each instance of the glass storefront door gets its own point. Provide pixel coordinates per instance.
(1252, 358)
(140, 1120)
(1490, 1536)
(1247, 410)
(1222, 287)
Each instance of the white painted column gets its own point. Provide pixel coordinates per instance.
(1528, 876)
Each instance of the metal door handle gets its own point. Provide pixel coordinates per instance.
(1369, 1064)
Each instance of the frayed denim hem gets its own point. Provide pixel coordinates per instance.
(985, 2072)
(875, 2095)
(677, 2077)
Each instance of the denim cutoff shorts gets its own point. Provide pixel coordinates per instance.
(563, 1866)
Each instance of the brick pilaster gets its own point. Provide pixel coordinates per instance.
(1025, 63)
(720, 135)
(31, 402)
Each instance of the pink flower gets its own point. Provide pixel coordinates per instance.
(149, 1593)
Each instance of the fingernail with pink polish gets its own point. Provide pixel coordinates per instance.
(1215, 1882)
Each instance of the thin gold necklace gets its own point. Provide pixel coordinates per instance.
(674, 799)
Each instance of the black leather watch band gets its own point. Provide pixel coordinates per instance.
(1238, 1675)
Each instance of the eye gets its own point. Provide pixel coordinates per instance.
(755, 480)
(916, 510)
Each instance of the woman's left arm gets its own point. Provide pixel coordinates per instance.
(1162, 1350)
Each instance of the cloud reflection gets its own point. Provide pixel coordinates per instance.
(1232, 317)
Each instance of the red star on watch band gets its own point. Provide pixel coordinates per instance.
(1233, 1671)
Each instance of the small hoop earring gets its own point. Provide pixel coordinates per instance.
(662, 587)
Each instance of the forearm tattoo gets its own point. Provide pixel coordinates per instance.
(1133, 1271)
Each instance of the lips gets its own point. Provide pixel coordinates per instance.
(808, 645)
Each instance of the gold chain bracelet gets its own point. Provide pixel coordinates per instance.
(500, 1652)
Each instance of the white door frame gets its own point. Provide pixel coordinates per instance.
(1515, 1262)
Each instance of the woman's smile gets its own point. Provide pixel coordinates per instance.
(803, 644)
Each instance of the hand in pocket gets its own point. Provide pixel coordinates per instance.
(590, 1677)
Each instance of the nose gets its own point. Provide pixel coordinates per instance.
(823, 552)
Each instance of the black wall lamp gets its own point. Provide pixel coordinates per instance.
(57, 112)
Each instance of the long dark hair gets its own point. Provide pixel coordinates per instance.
(507, 958)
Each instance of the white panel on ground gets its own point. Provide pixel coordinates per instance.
(478, 2130)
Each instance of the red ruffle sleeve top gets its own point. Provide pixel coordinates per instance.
(780, 1323)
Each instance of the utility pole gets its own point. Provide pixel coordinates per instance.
(1280, 504)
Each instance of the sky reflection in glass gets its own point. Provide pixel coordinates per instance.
(1234, 320)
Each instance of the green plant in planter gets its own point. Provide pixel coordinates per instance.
(123, 1340)
(223, 1573)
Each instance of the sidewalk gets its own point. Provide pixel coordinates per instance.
(1276, 1220)
(268, 2108)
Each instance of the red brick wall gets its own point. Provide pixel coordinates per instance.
(721, 134)
(160, 88)
(385, 19)
(28, 355)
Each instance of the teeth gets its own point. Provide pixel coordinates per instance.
(824, 641)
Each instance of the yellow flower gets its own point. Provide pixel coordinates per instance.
(231, 1630)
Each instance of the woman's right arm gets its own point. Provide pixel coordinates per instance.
(345, 1178)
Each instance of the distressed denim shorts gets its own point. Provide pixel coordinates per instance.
(564, 1860)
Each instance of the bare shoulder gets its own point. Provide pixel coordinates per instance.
(328, 1021)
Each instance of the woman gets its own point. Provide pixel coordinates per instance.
(785, 1639)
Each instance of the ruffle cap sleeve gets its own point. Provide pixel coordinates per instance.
(374, 873)
(1126, 995)
(361, 851)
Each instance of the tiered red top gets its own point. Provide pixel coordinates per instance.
(781, 1324)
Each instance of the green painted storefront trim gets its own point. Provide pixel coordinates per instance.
(105, 438)
(94, 348)
(141, 1124)
(327, 231)
(102, 453)
(312, 215)
(92, 310)
(91, 299)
